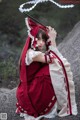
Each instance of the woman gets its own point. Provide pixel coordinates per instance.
(45, 77)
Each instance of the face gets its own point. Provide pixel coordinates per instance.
(41, 43)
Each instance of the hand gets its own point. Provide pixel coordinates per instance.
(52, 32)
(52, 35)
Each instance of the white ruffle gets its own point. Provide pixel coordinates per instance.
(30, 35)
(51, 114)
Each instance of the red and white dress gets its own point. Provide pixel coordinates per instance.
(62, 83)
(44, 87)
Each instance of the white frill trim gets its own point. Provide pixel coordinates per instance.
(35, 2)
(51, 114)
(32, 37)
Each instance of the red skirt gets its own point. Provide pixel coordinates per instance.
(40, 94)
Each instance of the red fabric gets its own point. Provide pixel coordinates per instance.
(35, 91)
(33, 29)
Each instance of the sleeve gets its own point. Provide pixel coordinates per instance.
(55, 49)
(30, 55)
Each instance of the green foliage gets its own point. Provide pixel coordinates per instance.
(9, 73)
(8, 69)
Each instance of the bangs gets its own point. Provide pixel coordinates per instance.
(43, 33)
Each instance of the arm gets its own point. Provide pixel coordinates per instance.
(34, 56)
(52, 35)
(44, 58)
(40, 58)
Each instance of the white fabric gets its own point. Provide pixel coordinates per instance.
(29, 56)
(59, 85)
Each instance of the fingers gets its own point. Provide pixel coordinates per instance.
(49, 28)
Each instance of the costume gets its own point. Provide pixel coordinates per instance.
(44, 87)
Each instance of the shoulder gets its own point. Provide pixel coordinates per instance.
(30, 55)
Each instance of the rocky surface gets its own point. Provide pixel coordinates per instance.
(7, 103)
(70, 48)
